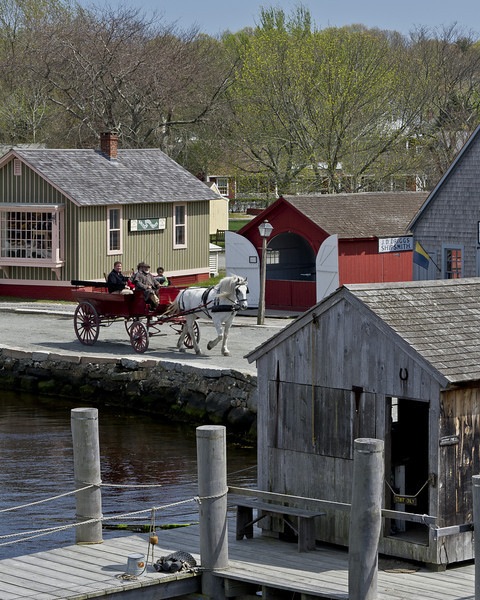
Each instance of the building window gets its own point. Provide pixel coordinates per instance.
(453, 263)
(114, 230)
(272, 257)
(31, 236)
(222, 185)
(180, 225)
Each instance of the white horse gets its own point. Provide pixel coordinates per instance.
(221, 303)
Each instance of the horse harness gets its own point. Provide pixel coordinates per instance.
(205, 302)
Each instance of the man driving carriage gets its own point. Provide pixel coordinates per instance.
(144, 280)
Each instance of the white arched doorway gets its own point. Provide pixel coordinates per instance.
(296, 278)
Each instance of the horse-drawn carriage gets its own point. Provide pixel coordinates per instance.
(178, 307)
(97, 308)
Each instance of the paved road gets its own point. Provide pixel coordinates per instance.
(49, 328)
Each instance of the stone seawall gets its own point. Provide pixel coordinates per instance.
(177, 391)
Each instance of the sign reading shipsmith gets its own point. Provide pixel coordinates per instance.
(395, 244)
(152, 224)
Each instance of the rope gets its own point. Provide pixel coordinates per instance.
(407, 495)
(133, 485)
(242, 470)
(46, 499)
(117, 485)
(41, 532)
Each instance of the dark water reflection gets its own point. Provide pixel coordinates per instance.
(37, 462)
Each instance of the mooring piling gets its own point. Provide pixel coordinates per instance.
(86, 465)
(365, 519)
(476, 523)
(212, 490)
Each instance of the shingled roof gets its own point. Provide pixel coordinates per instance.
(439, 319)
(88, 178)
(369, 214)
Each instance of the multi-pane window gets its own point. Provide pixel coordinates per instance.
(180, 225)
(31, 236)
(114, 233)
(222, 185)
(453, 263)
(272, 257)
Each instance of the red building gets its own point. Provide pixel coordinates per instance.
(321, 242)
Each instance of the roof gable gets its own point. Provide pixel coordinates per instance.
(448, 173)
(87, 177)
(438, 320)
(361, 215)
(277, 208)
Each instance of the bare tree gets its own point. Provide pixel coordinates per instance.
(113, 69)
(446, 63)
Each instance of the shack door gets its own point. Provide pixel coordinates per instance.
(406, 469)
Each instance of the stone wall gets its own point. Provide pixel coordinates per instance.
(177, 391)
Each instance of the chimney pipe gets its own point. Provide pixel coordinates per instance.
(109, 144)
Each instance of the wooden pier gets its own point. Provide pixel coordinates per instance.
(265, 564)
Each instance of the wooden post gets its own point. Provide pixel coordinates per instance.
(212, 490)
(86, 466)
(476, 534)
(365, 519)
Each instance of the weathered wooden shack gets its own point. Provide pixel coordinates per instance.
(398, 362)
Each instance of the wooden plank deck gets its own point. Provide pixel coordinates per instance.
(79, 572)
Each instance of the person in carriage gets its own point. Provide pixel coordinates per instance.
(145, 281)
(117, 282)
(161, 277)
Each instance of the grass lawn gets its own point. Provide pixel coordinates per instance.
(236, 224)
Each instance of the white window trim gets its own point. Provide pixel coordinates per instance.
(184, 225)
(226, 186)
(57, 259)
(114, 252)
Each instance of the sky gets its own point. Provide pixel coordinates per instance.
(213, 17)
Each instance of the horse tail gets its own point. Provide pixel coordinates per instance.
(173, 308)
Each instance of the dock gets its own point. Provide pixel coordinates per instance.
(261, 564)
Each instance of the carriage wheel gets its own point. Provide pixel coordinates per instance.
(87, 323)
(128, 324)
(196, 332)
(139, 337)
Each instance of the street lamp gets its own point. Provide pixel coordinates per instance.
(264, 229)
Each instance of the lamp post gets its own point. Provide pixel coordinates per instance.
(265, 229)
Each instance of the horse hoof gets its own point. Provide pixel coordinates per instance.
(198, 352)
(181, 349)
(209, 346)
(226, 353)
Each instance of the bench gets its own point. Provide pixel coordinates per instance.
(305, 530)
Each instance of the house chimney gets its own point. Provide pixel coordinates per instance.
(109, 144)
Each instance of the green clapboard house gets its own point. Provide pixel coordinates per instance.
(70, 214)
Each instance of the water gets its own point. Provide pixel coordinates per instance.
(36, 460)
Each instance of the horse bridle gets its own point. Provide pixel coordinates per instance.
(235, 306)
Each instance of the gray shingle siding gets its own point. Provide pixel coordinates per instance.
(451, 214)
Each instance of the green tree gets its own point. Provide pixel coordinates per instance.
(330, 103)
